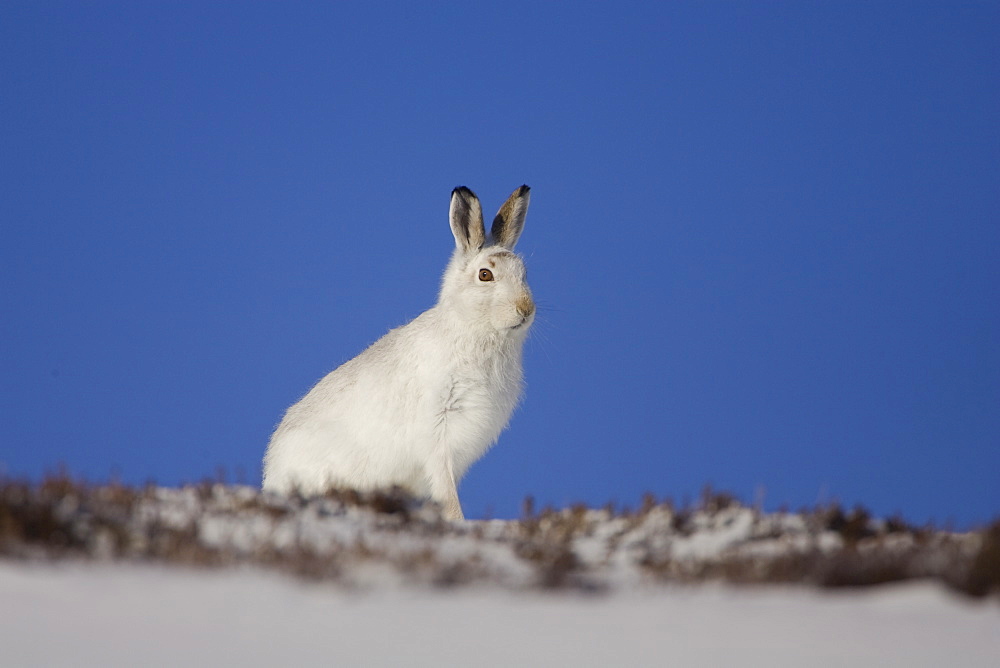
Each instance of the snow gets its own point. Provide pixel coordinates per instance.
(576, 546)
(106, 576)
(87, 614)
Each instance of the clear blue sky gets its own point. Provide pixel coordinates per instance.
(765, 236)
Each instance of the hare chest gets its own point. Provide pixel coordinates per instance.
(474, 408)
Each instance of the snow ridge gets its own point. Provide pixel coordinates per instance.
(388, 539)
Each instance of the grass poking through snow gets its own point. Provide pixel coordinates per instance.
(380, 539)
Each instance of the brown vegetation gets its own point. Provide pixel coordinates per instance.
(368, 539)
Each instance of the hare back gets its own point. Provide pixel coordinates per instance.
(419, 394)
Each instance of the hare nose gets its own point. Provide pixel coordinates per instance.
(525, 306)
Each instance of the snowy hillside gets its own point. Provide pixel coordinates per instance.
(201, 576)
(99, 615)
(384, 540)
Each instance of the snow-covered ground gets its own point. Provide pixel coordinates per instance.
(224, 575)
(383, 540)
(127, 615)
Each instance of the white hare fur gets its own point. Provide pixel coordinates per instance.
(425, 401)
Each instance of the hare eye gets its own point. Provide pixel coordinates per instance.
(485, 275)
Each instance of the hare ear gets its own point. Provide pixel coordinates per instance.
(509, 222)
(466, 220)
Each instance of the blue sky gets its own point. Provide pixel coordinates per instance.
(765, 238)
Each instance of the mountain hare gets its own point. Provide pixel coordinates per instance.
(425, 401)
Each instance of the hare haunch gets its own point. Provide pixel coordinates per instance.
(425, 401)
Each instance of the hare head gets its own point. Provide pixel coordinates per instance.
(485, 283)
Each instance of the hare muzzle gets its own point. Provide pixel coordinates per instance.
(525, 305)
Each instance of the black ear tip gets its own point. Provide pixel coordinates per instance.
(462, 190)
(522, 191)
